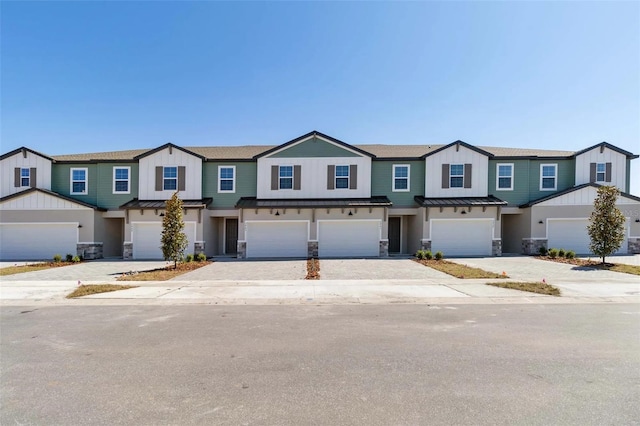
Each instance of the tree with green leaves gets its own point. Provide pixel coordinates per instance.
(606, 224)
(174, 240)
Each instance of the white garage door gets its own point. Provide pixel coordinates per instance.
(349, 238)
(146, 239)
(36, 241)
(277, 239)
(462, 237)
(571, 234)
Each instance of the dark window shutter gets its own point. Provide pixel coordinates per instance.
(159, 178)
(274, 178)
(608, 173)
(331, 177)
(445, 176)
(182, 172)
(467, 175)
(296, 177)
(16, 177)
(32, 177)
(353, 176)
(592, 172)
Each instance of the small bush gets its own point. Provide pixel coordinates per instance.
(553, 253)
(75, 259)
(561, 252)
(428, 255)
(69, 257)
(420, 254)
(189, 258)
(57, 258)
(543, 251)
(570, 254)
(201, 257)
(439, 255)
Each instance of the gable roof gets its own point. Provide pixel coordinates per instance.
(23, 149)
(457, 144)
(601, 145)
(165, 146)
(52, 194)
(317, 134)
(570, 190)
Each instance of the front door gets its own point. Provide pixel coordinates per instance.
(394, 234)
(231, 236)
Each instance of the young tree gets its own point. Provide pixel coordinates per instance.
(174, 241)
(606, 224)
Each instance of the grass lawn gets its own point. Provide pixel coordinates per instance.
(85, 290)
(596, 264)
(163, 274)
(540, 288)
(458, 270)
(11, 270)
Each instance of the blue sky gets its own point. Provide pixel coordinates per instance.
(97, 76)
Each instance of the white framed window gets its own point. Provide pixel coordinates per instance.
(121, 180)
(25, 177)
(170, 178)
(456, 176)
(226, 178)
(342, 177)
(504, 176)
(548, 177)
(79, 180)
(601, 172)
(401, 177)
(285, 177)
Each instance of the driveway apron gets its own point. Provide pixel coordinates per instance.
(377, 269)
(248, 270)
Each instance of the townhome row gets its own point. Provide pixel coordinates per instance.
(312, 196)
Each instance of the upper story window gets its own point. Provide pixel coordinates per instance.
(170, 178)
(456, 176)
(601, 172)
(401, 177)
(25, 175)
(548, 177)
(285, 177)
(79, 180)
(504, 180)
(226, 178)
(342, 177)
(121, 180)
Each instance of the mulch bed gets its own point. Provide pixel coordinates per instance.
(313, 269)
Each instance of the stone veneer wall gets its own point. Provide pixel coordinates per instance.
(312, 249)
(633, 245)
(198, 247)
(496, 248)
(531, 246)
(425, 245)
(242, 250)
(384, 248)
(89, 251)
(127, 251)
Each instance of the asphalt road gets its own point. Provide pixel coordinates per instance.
(321, 365)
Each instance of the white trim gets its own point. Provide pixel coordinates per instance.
(604, 173)
(336, 177)
(456, 176)
(555, 176)
(176, 178)
(293, 172)
(28, 169)
(393, 178)
(86, 180)
(128, 191)
(498, 176)
(233, 181)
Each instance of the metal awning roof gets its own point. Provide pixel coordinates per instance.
(459, 201)
(254, 203)
(161, 204)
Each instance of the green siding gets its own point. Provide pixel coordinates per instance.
(61, 181)
(314, 147)
(106, 197)
(381, 182)
(246, 182)
(527, 179)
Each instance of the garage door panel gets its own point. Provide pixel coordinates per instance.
(461, 237)
(277, 239)
(147, 237)
(34, 241)
(571, 234)
(349, 238)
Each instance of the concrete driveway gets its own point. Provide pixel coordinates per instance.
(248, 270)
(95, 270)
(377, 269)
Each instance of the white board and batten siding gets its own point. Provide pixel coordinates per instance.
(8, 166)
(168, 158)
(582, 197)
(479, 173)
(618, 166)
(313, 177)
(40, 201)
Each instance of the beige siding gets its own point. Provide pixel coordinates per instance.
(147, 174)
(479, 173)
(618, 166)
(7, 166)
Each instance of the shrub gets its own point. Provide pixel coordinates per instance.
(201, 257)
(439, 255)
(428, 255)
(561, 252)
(75, 259)
(420, 254)
(69, 257)
(57, 258)
(553, 253)
(543, 251)
(189, 258)
(570, 254)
